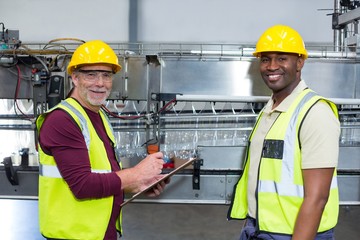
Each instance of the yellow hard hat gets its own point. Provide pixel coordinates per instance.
(93, 52)
(280, 38)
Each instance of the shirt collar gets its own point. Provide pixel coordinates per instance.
(285, 104)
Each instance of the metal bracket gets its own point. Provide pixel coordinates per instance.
(39, 99)
(11, 173)
(56, 89)
(24, 153)
(163, 96)
(196, 174)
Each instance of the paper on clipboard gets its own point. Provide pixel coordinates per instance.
(166, 176)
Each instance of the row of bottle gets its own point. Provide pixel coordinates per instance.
(350, 130)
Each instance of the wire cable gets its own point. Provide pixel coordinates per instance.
(16, 105)
(166, 107)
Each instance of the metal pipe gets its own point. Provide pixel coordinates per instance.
(211, 116)
(6, 60)
(248, 53)
(345, 101)
(16, 127)
(327, 54)
(337, 32)
(195, 50)
(219, 98)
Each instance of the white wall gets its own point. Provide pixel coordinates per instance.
(225, 21)
(45, 20)
(232, 20)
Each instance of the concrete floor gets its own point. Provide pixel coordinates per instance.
(178, 221)
(198, 222)
(19, 220)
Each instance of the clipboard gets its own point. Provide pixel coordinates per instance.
(166, 176)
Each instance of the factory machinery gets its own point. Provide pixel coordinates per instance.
(187, 100)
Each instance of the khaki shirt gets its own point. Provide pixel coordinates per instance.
(319, 137)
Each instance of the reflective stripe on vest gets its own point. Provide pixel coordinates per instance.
(83, 123)
(53, 171)
(286, 187)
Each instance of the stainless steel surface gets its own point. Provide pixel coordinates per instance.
(332, 79)
(349, 17)
(232, 78)
(26, 189)
(222, 157)
(214, 189)
(192, 76)
(349, 190)
(350, 158)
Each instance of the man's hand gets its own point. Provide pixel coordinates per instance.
(143, 174)
(158, 188)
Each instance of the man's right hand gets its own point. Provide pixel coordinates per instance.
(151, 166)
(143, 174)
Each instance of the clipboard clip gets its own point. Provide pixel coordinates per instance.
(196, 173)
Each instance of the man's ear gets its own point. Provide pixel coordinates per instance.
(74, 79)
(300, 63)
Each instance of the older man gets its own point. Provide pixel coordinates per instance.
(81, 183)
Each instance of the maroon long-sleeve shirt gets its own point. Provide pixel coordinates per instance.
(61, 137)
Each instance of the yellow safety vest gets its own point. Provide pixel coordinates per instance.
(61, 215)
(280, 190)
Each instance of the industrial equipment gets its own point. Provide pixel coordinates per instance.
(189, 100)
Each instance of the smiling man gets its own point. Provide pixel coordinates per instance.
(81, 183)
(288, 189)
(93, 84)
